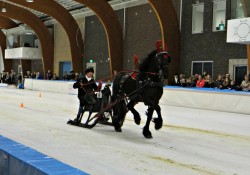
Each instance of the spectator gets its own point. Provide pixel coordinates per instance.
(226, 84)
(65, 76)
(245, 84)
(71, 75)
(55, 77)
(176, 80)
(183, 80)
(200, 82)
(19, 78)
(209, 81)
(49, 75)
(232, 85)
(28, 75)
(218, 82)
(38, 76)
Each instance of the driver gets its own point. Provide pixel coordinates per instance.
(86, 87)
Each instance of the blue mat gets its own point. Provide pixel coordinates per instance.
(29, 161)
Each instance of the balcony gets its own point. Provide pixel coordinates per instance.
(25, 53)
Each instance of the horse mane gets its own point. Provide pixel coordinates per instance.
(147, 61)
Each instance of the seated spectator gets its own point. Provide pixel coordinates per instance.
(65, 76)
(55, 77)
(232, 85)
(33, 76)
(176, 80)
(38, 76)
(209, 81)
(245, 84)
(200, 82)
(77, 76)
(28, 75)
(226, 84)
(71, 75)
(183, 80)
(218, 82)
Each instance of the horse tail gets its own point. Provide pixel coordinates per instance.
(120, 109)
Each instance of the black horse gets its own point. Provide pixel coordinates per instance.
(147, 88)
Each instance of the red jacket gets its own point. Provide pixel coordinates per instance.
(200, 83)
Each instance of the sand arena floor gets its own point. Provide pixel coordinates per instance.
(192, 141)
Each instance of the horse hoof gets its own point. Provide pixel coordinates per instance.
(147, 134)
(118, 129)
(158, 123)
(137, 119)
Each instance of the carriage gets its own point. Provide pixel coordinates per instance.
(127, 91)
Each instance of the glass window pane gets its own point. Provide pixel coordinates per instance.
(208, 68)
(219, 15)
(239, 10)
(197, 21)
(197, 68)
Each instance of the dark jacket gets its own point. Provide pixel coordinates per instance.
(88, 86)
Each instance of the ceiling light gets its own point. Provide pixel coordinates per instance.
(29, 1)
(3, 8)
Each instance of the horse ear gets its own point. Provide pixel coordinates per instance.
(136, 61)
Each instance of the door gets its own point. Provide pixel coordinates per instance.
(64, 67)
(239, 72)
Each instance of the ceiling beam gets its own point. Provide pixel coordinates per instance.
(40, 29)
(55, 10)
(113, 30)
(169, 25)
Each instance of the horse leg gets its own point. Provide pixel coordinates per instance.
(119, 114)
(158, 121)
(146, 131)
(137, 117)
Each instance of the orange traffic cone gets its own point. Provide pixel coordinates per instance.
(40, 95)
(22, 105)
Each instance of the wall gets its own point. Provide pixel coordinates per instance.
(142, 30)
(207, 46)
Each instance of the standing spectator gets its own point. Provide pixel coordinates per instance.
(176, 80)
(49, 75)
(200, 82)
(19, 78)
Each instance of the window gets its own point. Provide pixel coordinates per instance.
(197, 19)
(201, 67)
(219, 15)
(237, 9)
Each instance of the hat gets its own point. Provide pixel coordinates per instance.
(89, 69)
